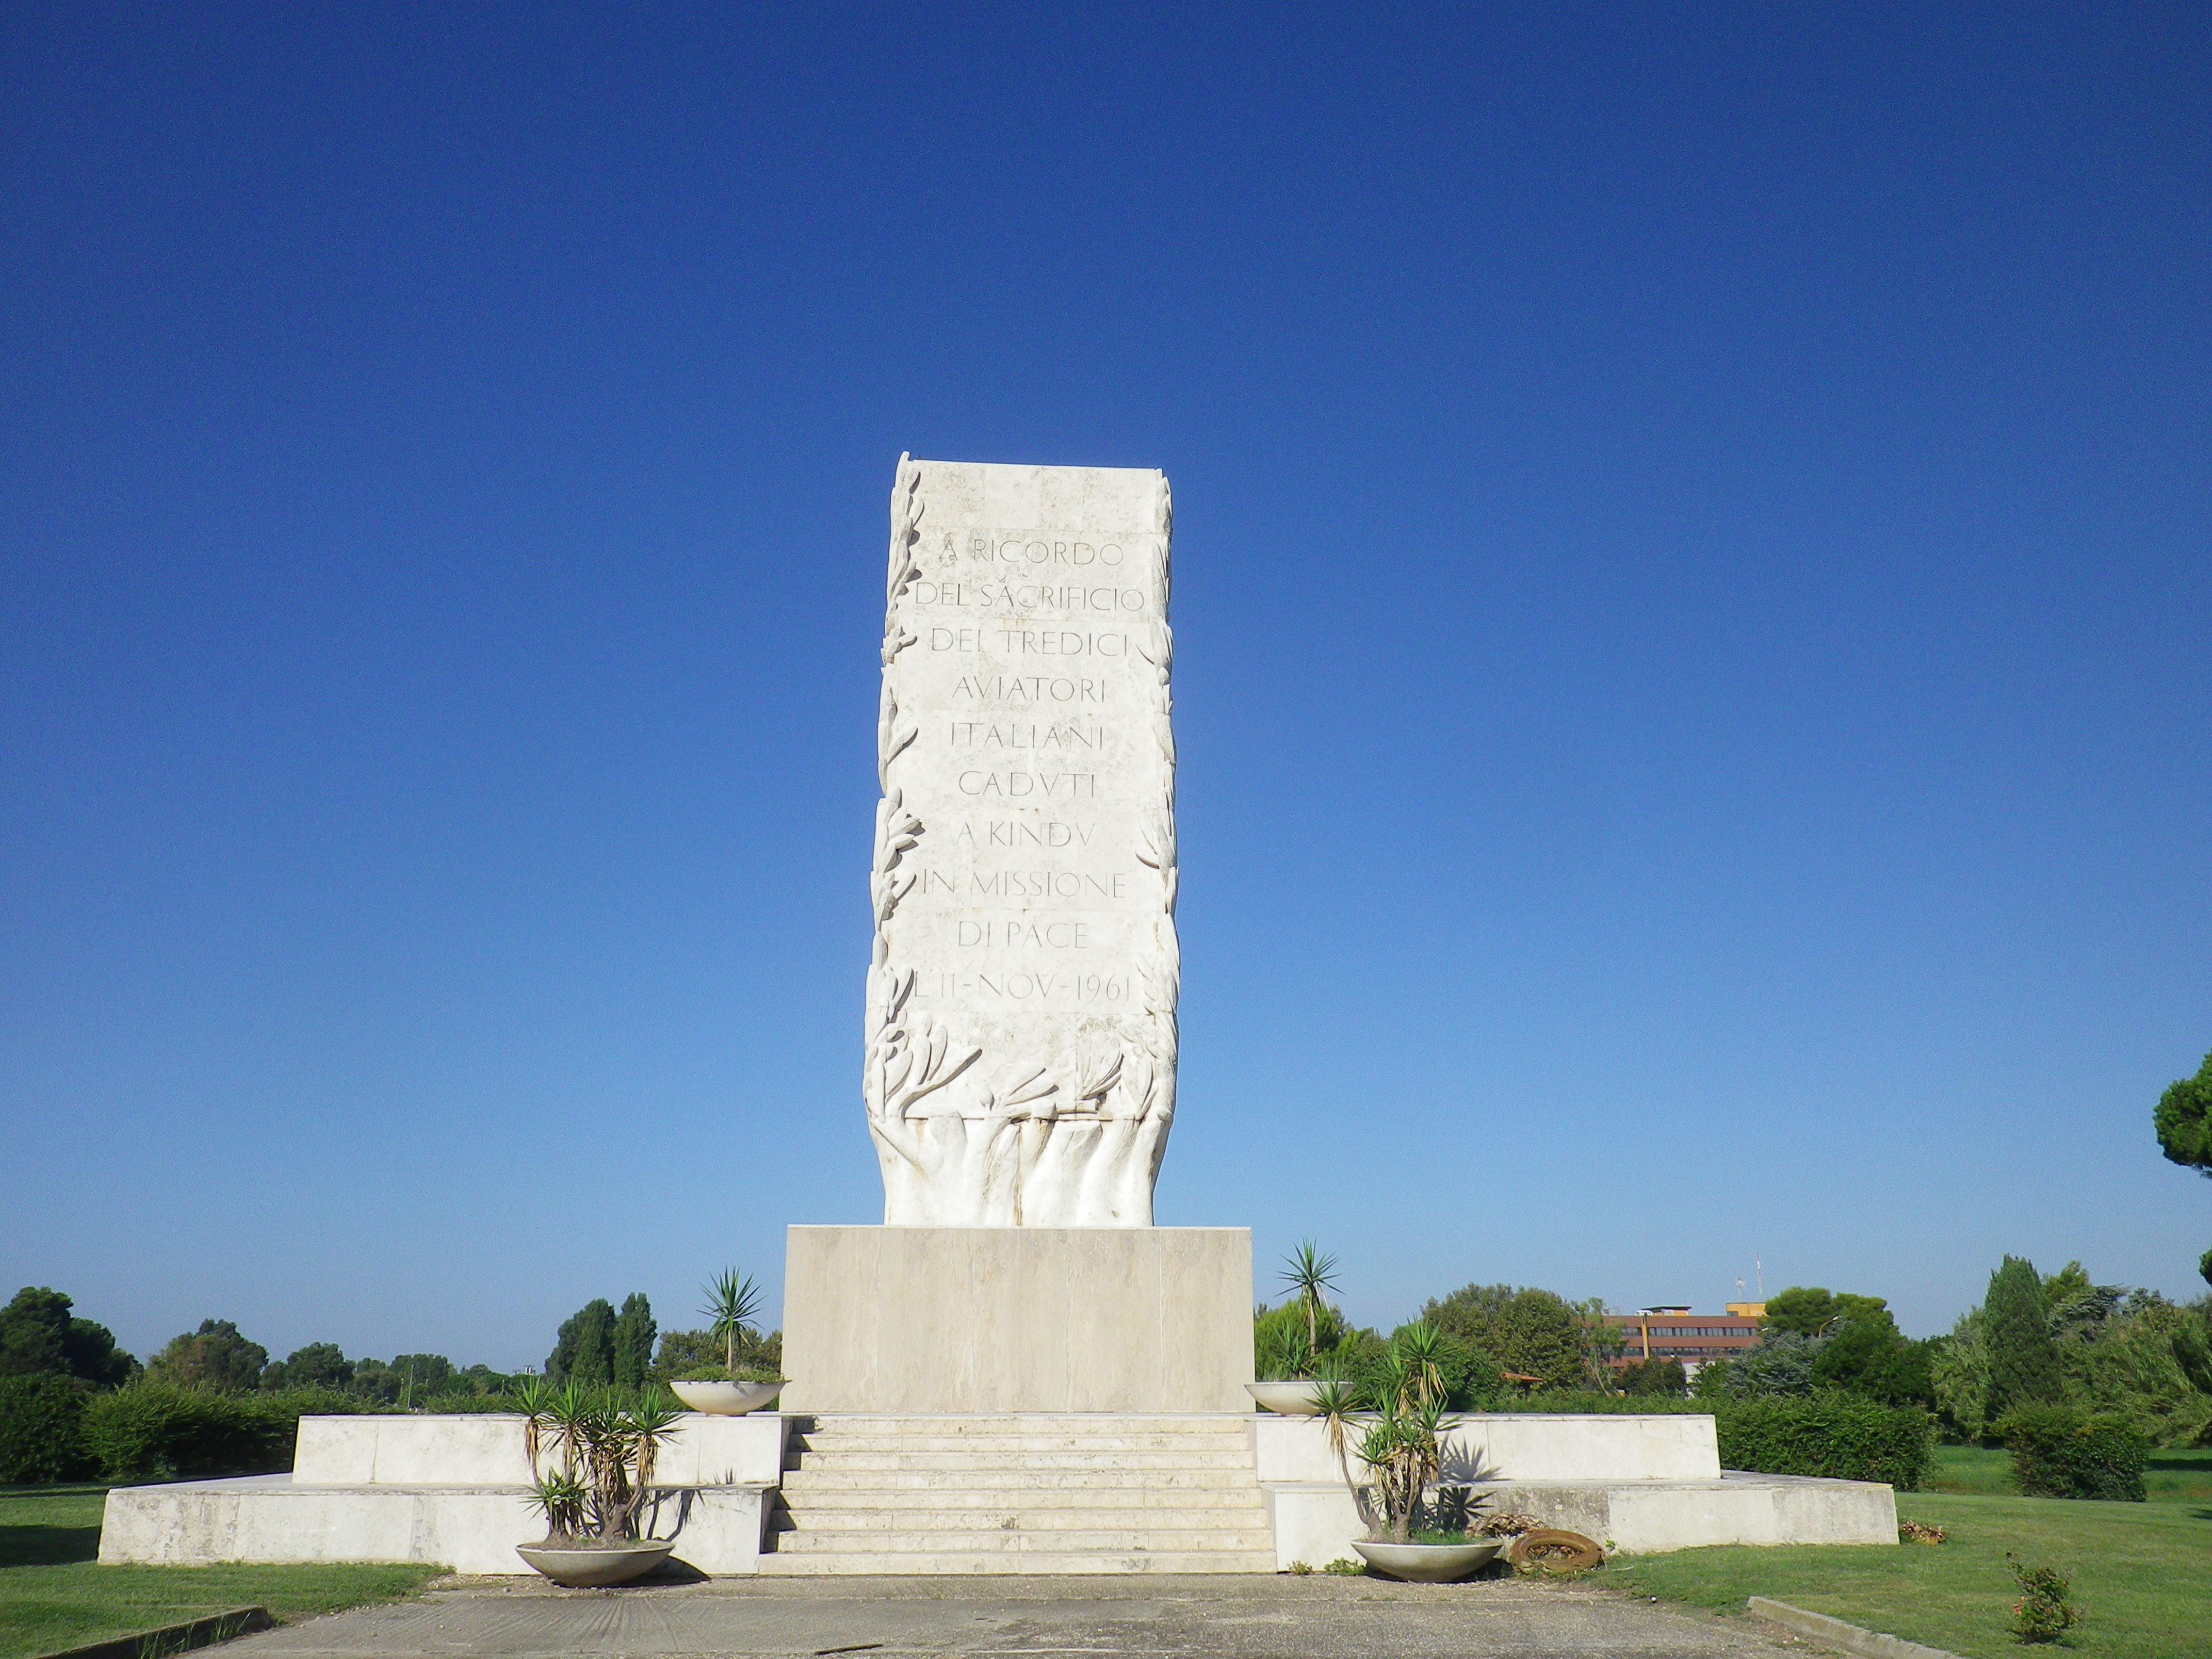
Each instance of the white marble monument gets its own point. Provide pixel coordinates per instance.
(1021, 1009)
(1017, 1372)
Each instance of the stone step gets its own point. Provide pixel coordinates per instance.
(807, 1478)
(992, 1445)
(880, 1518)
(909, 1501)
(1018, 1561)
(977, 1458)
(1221, 1423)
(1105, 1540)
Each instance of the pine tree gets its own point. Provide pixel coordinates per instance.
(2184, 1121)
(2024, 1368)
(633, 1340)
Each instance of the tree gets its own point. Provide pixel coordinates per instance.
(2023, 1358)
(2182, 1118)
(633, 1340)
(1812, 1311)
(1528, 1332)
(1959, 1369)
(39, 1335)
(317, 1366)
(585, 1348)
(215, 1358)
(1780, 1367)
(1655, 1376)
(1802, 1309)
(1875, 1358)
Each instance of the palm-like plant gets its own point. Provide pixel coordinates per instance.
(561, 1498)
(1401, 1434)
(1308, 1271)
(1404, 1449)
(1421, 1348)
(533, 1395)
(733, 1301)
(607, 1445)
(1284, 1354)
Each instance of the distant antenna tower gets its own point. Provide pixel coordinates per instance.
(1759, 1269)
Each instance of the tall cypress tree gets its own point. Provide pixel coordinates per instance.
(2024, 1367)
(584, 1350)
(633, 1340)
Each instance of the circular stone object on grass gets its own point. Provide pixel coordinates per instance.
(726, 1399)
(1429, 1563)
(582, 1566)
(1291, 1399)
(1550, 1549)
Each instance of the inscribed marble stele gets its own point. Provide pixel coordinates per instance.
(1021, 1019)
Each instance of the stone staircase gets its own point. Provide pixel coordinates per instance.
(1032, 1494)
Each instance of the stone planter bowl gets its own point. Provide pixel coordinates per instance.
(726, 1399)
(1290, 1398)
(582, 1566)
(1430, 1564)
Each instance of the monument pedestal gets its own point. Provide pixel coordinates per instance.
(927, 1321)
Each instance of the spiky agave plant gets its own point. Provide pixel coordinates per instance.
(732, 1303)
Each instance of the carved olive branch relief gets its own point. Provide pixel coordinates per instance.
(1079, 1149)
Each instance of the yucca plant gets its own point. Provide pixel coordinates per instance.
(733, 1301)
(1308, 1271)
(1400, 1433)
(1419, 1350)
(1403, 1448)
(561, 1498)
(1285, 1355)
(606, 1445)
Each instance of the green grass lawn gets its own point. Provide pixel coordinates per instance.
(53, 1595)
(2141, 1572)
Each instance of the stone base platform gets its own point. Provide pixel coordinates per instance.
(471, 1529)
(1640, 1485)
(1317, 1524)
(450, 1489)
(978, 1320)
(977, 1493)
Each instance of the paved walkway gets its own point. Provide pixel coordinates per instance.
(1220, 1617)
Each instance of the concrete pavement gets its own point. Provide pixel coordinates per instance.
(1318, 1617)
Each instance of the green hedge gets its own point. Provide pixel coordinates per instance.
(42, 1429)
(156, 1432)
(2057, 1453)
(1836, 1437)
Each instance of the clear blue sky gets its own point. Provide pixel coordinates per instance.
(1693, 581)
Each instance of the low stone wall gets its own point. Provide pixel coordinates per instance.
(270, 1518)
(1518, 1446)
(1316, 1524)
(449, 1489)
(487, 1451)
